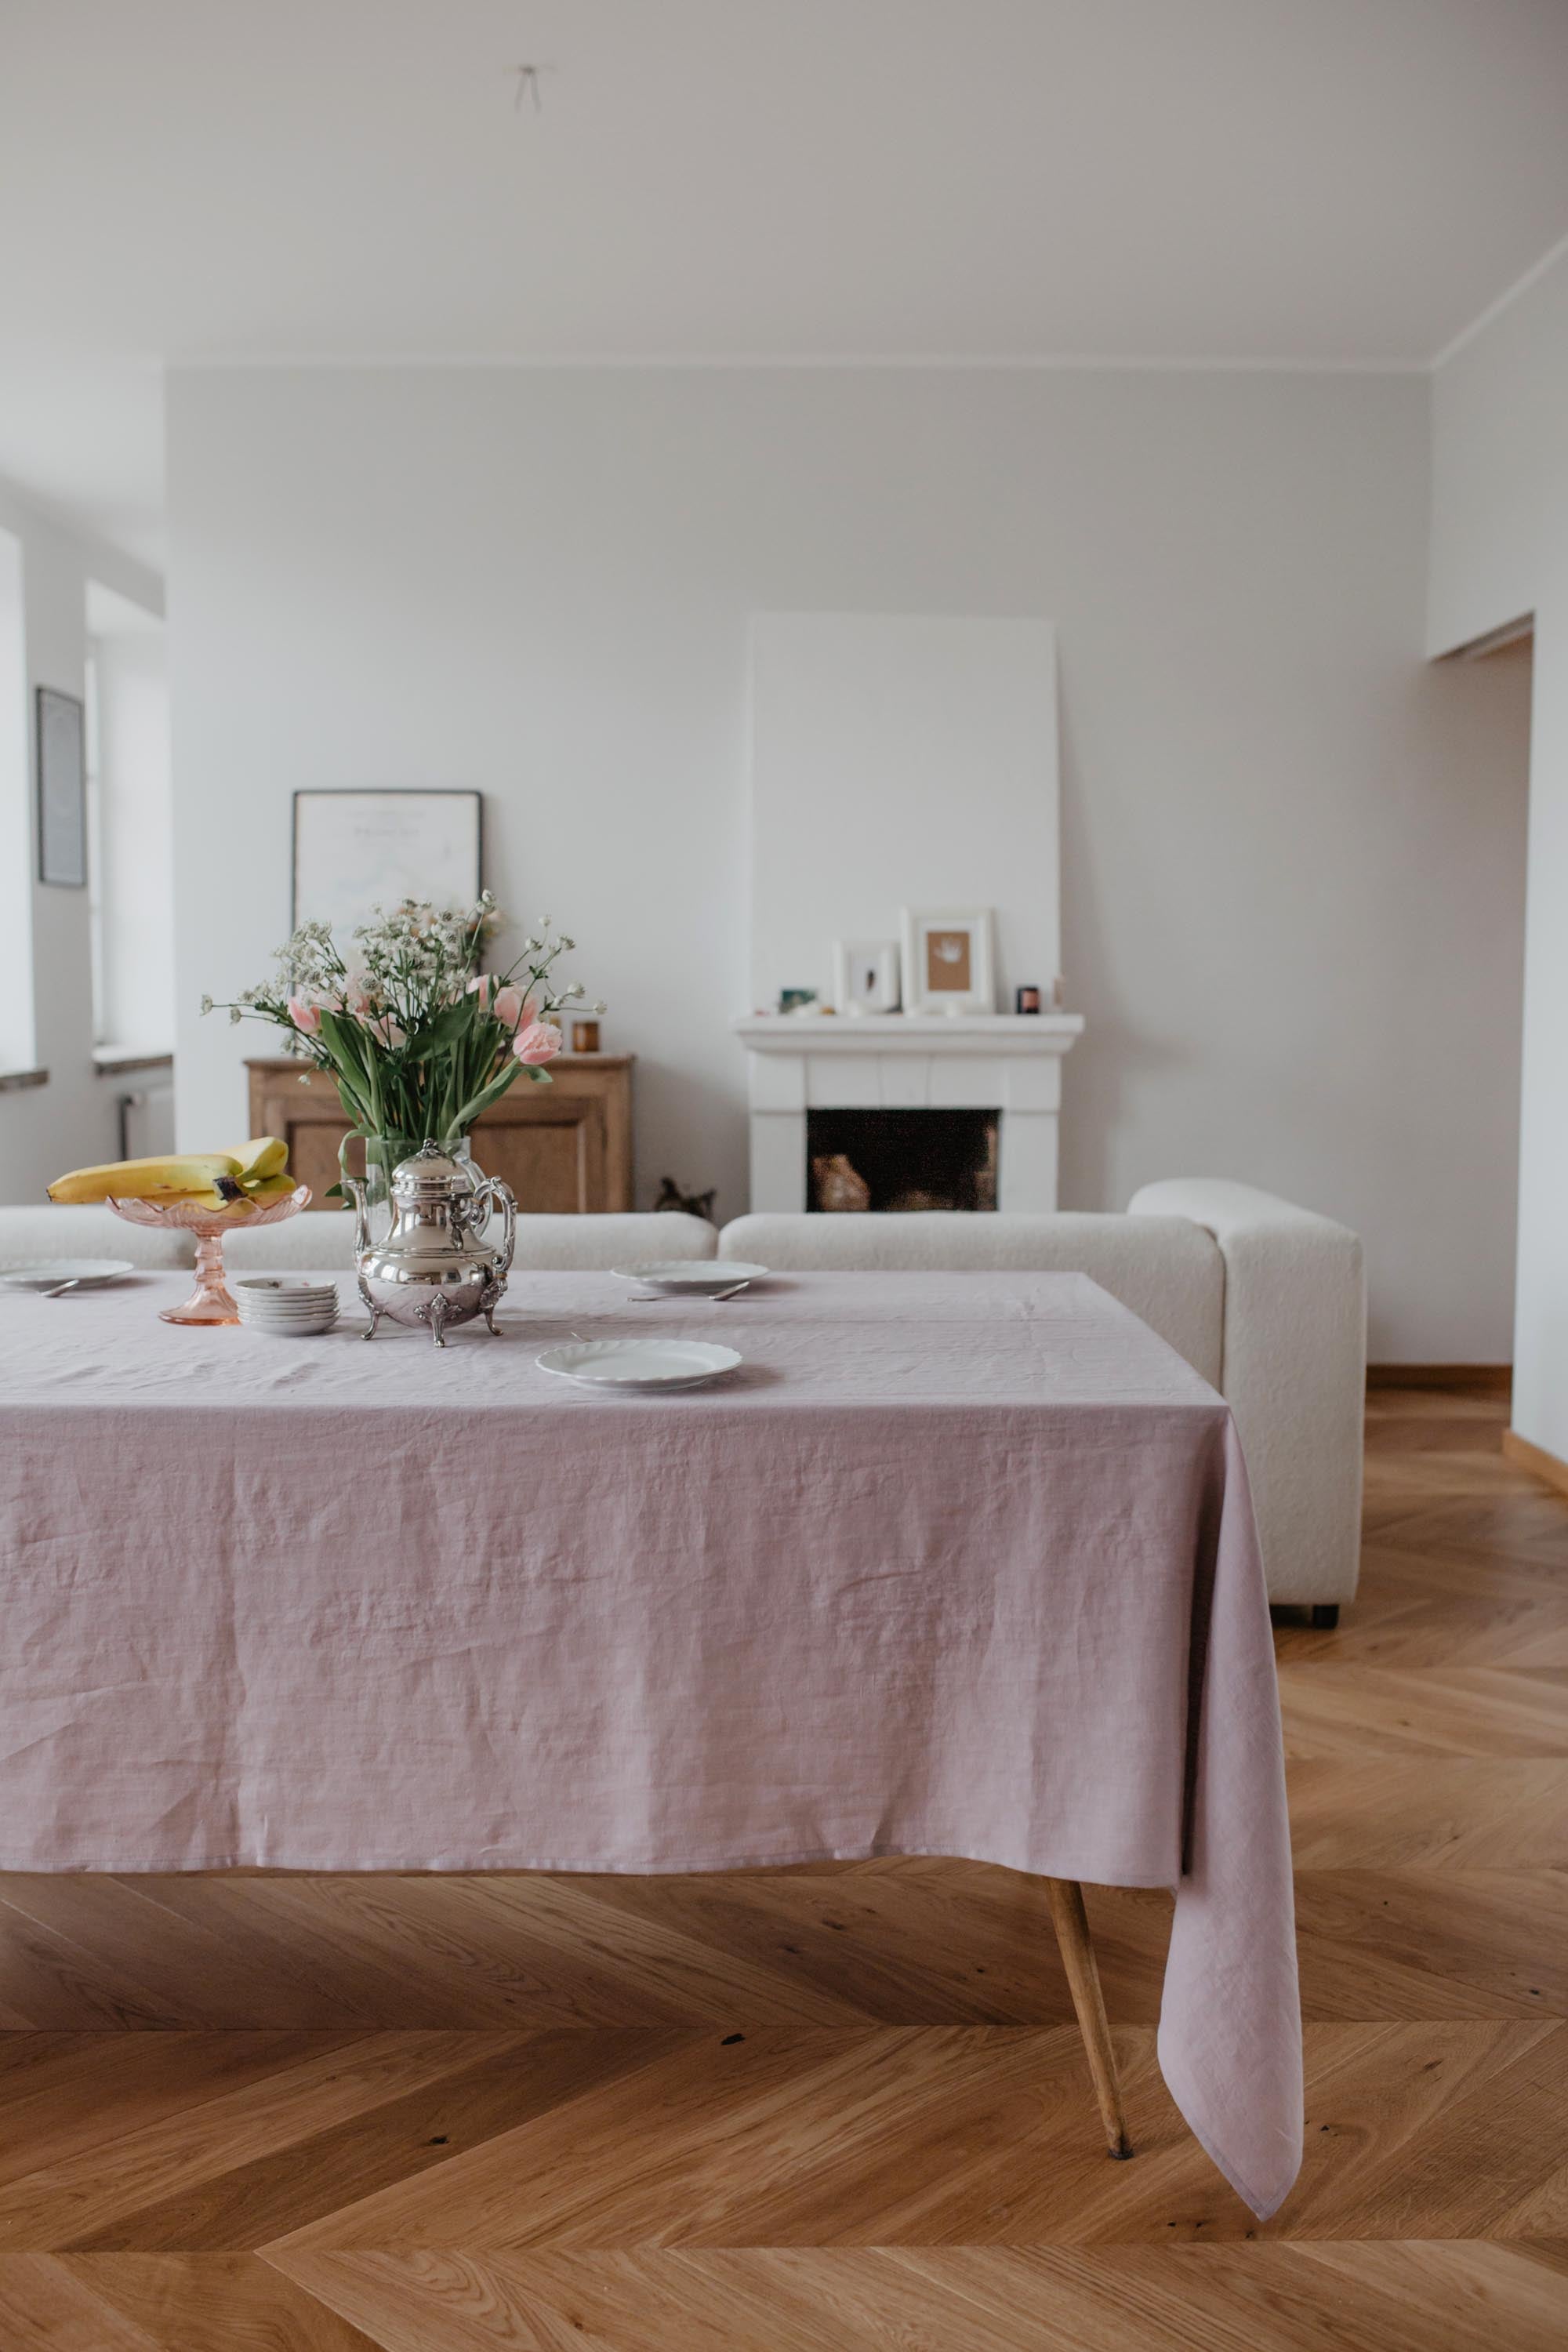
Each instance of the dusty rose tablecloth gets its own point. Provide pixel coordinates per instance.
(956, 1564)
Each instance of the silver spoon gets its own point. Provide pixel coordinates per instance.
(60, 1288)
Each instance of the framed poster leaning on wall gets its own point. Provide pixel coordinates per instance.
(356, 850)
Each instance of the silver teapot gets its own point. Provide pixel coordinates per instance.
(433, 1267)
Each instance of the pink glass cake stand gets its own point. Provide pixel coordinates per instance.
(210, 1301)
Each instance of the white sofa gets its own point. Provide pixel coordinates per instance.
(325, 1239)
(1267, 1301)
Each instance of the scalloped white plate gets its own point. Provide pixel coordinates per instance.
(637, 1363)
(91, 1271)
(700, 1276)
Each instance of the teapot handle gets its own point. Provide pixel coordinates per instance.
(490, 1195)
(357, 1193)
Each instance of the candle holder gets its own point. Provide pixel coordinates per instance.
(211, 1301)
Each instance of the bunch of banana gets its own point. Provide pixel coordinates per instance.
(250, 1175)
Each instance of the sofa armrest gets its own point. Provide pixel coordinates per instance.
(1293, 1372)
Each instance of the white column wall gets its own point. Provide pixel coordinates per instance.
(1499, 550)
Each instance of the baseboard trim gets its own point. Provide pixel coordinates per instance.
(1490, 1380)
(1536, 1460)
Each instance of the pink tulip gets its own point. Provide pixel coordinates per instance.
(512, 1009)
(480, 986)
(540, 1042)
(306, 1016)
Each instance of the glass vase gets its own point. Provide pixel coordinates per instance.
(383, 1155)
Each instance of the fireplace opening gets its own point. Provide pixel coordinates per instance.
(902, 1160)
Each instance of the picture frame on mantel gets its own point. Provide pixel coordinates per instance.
(950, 959)
(866, 975)
(355, 849)
(62, 789)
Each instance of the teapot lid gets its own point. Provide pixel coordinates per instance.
(429, 1175)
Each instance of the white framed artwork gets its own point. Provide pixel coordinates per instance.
(950, 959)
(866, 975)
(358, 850)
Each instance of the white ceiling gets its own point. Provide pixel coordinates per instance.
(1303, 181)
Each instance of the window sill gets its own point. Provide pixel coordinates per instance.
(13, 1081)
(114, 1061)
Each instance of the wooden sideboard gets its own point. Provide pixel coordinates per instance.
(564, 1148)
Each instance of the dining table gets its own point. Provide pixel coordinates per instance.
(948, 1564)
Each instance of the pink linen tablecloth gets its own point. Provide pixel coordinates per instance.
(955, 1564)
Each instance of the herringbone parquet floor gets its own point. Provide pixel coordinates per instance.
(832, 2110)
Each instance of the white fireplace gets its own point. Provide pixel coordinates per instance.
(1006, 1064)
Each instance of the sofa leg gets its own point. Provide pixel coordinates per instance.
(1325, 1616)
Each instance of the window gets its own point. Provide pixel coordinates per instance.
(130, 827)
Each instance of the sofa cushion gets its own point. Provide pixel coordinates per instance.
(35, 1231)
(325, 1238)
(1168, 1270)
(544, 1244)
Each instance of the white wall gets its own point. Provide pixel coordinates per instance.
(1499, 548)
(1292, 854)
(71, 1121)
(900, 762)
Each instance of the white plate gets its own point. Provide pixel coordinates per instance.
(292, 1316)
(699, 1276)
(91, 1271)
(289, 1322)
(638, 1363)
(285, 1290)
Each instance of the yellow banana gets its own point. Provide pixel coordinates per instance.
(151, 1179)
(264, 1155)
(270, 1188)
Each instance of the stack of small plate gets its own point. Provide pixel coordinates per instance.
(290, 1306)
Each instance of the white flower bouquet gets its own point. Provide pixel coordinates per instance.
(418, 1038)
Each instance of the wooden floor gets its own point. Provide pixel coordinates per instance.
(828, 2110)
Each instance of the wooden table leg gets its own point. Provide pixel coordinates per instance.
(1070, 1921)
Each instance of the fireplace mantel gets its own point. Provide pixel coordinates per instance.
(1010, 1063)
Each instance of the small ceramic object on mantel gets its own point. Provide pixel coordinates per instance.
(434, 1270)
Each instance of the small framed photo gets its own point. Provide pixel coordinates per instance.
(866, 975)
(62, 789)
(950, 961)
(1025, 999)
(355, 850)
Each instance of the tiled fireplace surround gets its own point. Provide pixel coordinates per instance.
(1007, 1063)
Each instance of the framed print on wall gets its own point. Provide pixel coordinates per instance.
(950, 961)
(62, 789)
(356, 850)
